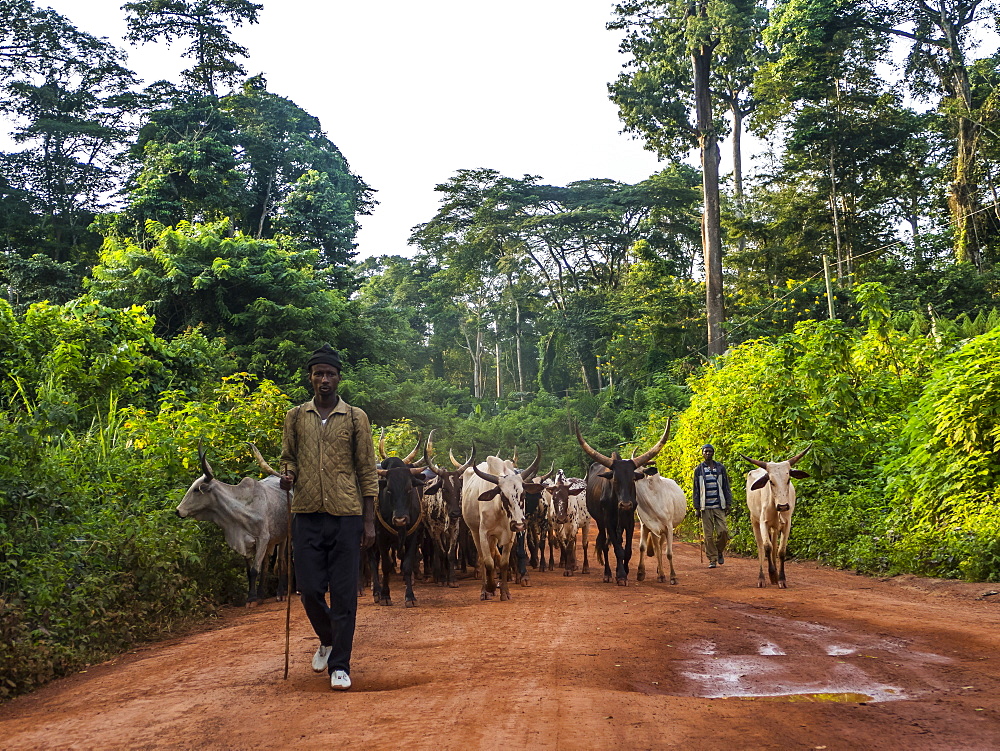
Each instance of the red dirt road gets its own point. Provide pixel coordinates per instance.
(569, 663)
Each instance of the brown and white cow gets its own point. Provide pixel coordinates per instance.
(442, 501)
(493, 508)
(771, 500)
(565, 503)
(661, 507)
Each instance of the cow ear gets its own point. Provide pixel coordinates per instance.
(798, 474)
(651, 470)
(576, 491)
(533, 487)
(638, 476)
(761, 482)
(432, 487)
(489, 495)
(606, 475)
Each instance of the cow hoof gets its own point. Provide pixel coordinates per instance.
(673, 581)
(504, 597)
(567, 573)
(622, 582)
(663, 580)
(253, 603)
(585, 570)
(782, 585)
(607, 579)
(525, 582)
(641, 576)
(453, 585)
(761, 584)
(386, 602)
(485, 596)
(411, 603)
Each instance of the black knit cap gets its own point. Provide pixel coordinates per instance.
(324, 356)
(708, 446)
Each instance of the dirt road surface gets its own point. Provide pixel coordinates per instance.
(836, 661)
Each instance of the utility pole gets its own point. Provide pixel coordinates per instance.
(829, 287)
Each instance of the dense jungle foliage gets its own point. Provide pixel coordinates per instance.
(170, 253)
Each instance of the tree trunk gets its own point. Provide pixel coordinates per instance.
(708, 140)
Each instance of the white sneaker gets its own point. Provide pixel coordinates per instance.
(340, 681)
(319, 659)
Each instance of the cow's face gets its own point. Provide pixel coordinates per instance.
(777, 478)
(622, 475)
(399, 500)
(559, 493)
(199, 499)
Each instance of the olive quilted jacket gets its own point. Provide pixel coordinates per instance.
(329, 475)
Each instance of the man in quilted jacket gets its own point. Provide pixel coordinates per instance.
(328, 457)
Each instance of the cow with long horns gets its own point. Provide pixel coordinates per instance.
(251, 514)
(611, 501)
(771, 500)
(493, 507)
(442, 503)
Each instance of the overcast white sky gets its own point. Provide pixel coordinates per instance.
(411, 92)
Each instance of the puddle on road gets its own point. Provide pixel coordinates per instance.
(782, 678)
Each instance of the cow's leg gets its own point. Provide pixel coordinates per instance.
(411, 546)
(519, 544)
(640, 569)
(452, 556)
(601, 546)
(623, 550)
(252, 598)
(670, 554)
(585, 533)
(488, 564)
(782, 547)
(772, 554)
(503, 562)
(658, 554)
(758, 536)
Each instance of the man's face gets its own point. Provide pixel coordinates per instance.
(708, 452)
(324, 379)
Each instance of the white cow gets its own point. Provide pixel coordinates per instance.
(253, 516)
(771, 500)
(493, 508)
(661, 505)
(566, 507)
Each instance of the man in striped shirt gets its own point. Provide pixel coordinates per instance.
(712, 500)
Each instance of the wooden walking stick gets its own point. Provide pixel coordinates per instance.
(288, 569)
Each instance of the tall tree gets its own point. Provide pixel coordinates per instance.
(668, 93)
(68, 97)
(206, 24)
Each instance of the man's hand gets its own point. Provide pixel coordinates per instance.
(368, 521)
(697, 512)
(287, 481)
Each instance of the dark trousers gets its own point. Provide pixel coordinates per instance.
(327, 555)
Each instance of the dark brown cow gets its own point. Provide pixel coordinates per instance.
(442, 502)
(611, 501)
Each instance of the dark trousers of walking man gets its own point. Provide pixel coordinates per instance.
(327, 557)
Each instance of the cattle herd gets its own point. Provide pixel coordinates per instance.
(498, 519)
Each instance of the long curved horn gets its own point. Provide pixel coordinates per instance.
(409, 457)
(648, 456)
(533, 468)
(381, 445)
(552, 471)
(762, 465)
(453, 459)
(487, 476)
(799, 456)
(513, 459)
(595, 455)
(260, 460)
(429, 452)
(472, 459)
(206, 468)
